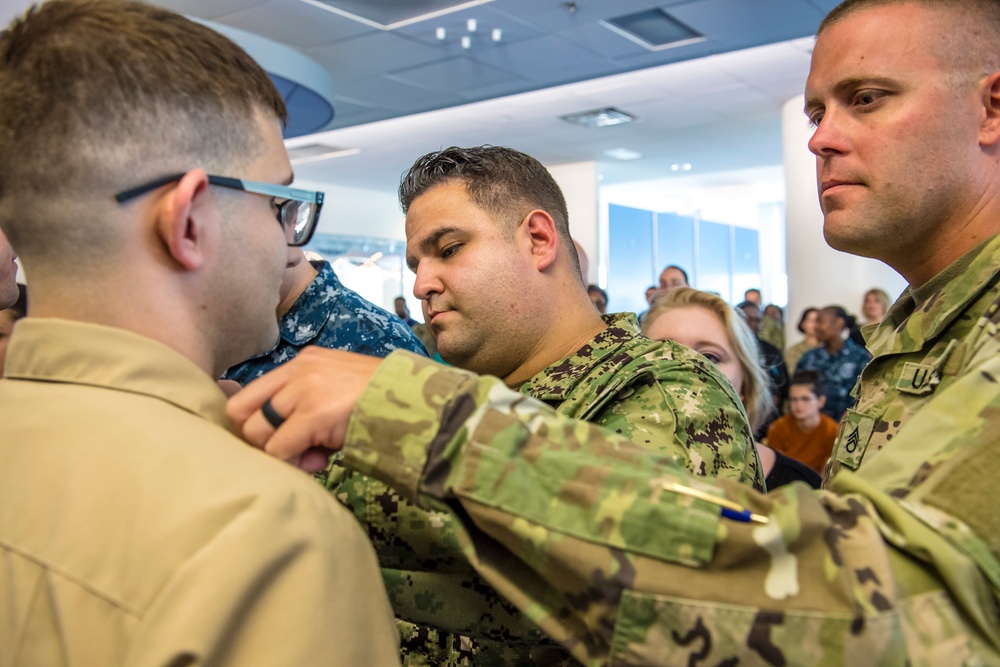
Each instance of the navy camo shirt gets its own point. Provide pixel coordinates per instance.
(839, 373)
(330, 315)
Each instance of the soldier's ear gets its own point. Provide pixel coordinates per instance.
(541, 234)
(989, 128)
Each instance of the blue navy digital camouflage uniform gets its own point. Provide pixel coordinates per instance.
(330, 315)
(839, 373)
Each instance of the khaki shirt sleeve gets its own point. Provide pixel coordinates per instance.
(586, 534)
(272, 589)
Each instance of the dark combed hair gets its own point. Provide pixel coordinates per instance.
(504, 182)
(810, 379)
(99, 95)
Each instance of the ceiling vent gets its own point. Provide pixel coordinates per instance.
(654, 29)
(599, 117)
(392, 14)
(318, 152)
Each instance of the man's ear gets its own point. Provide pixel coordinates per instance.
(184, 217)
(989, 129)
(544, 239)
(821, 400)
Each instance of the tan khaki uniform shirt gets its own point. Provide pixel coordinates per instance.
(136, 530)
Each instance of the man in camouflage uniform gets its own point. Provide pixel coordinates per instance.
(502, 293)
(626, 560)
(316, 309)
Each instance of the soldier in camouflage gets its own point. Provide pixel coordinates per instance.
(494, 310)
(625, 559)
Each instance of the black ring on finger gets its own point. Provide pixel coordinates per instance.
(271, 415)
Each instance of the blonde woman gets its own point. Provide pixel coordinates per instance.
(708, 325)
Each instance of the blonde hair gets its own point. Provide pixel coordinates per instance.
(882, 296)
(756, 389)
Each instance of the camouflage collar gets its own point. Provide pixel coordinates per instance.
(558, 380)
(919, 316)
(312, 309)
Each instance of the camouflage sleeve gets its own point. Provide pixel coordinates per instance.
(687, 409)
(626, 559)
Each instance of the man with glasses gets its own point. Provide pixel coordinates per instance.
(145, 188)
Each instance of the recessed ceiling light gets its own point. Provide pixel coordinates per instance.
(599, 117)
(682, 166)
(623, 154)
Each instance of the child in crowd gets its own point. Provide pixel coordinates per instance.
(806, 434)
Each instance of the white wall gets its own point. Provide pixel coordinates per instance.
(578, 182)
(357, 212)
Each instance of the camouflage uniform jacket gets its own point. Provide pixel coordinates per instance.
(330, 315)
(660, 395)
(593, 539)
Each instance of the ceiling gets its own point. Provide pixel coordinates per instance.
(400, 92)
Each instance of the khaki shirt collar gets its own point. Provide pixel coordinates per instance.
(55, 350)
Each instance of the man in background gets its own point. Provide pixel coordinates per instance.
(671, 277)
(145, 190)
(496, 272)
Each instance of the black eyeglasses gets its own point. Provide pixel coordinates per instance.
(297, 213)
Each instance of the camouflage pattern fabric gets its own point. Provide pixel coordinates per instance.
(772, 332)
(330, 315)
(587, 534)
(661, 396)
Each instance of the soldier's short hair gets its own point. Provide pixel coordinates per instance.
(973, 48)
(102, 95)
(506, 183)
(756, 389)
(809, 379)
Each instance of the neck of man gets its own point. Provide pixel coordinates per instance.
(297, 280)
(570, 323)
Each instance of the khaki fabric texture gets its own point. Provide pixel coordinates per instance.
(661, 396)
(137, 530)
(584, 532)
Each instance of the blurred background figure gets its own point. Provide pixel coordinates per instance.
(772, 327)
(807, 325)
(651, 293)
(752, 295)
(403, 312)
(707, 324)
(773, 361)
(599, 298)
(875, 305)
(873, 309)
(838, 359)
(8, 317)
(805, 434)
(671, 277)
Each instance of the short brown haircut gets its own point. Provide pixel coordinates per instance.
(973, 49)
(504, 182)
(102, 95)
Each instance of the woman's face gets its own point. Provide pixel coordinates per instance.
(872, 308)
(702, 331)
(809, 324)
(828, 326)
